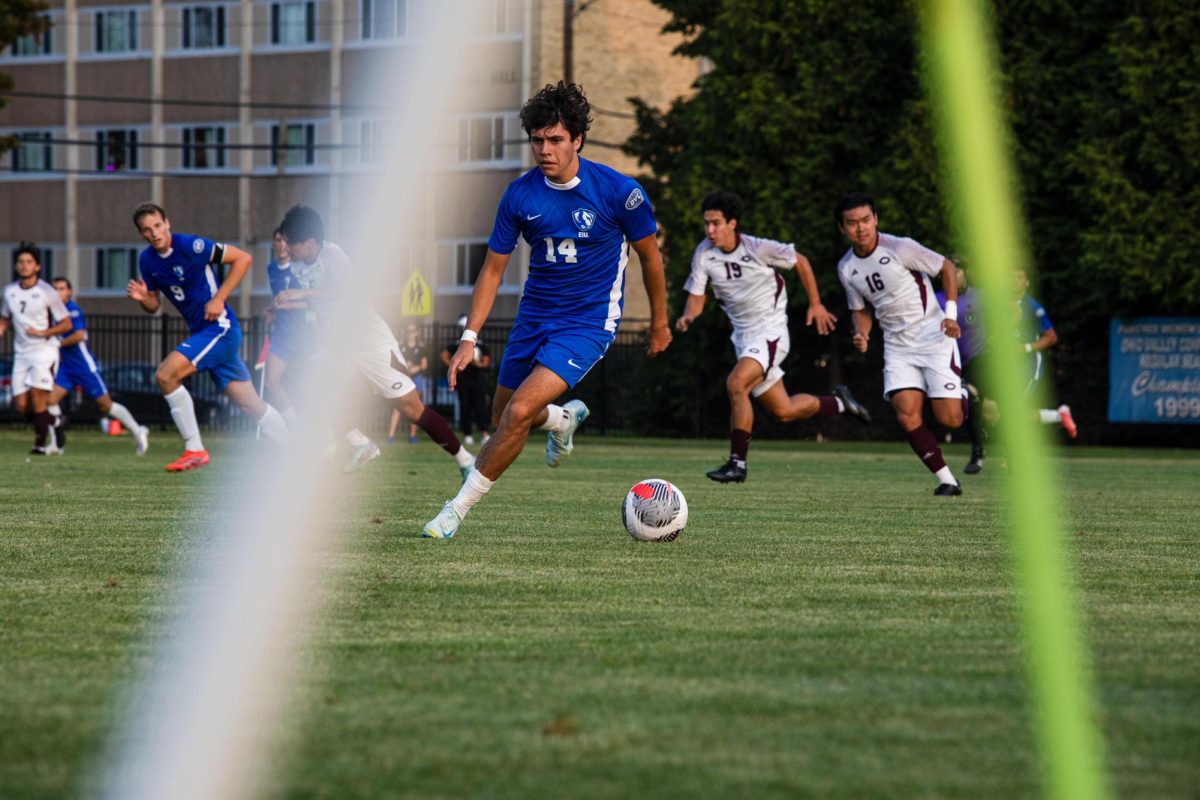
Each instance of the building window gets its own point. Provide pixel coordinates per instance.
(481, 139)
(500, 17)
(384, 19)
(33, 152)
(115, 266)
(468, 261)
(203, 27)
(294, 22)
(116, 31)
(372, 145)
(34, 44)
(204, 147)
(116, 150)
(295, 144)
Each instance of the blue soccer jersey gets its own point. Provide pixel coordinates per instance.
(578, 234)
(289, 331)
(76, 367)
(188, 277)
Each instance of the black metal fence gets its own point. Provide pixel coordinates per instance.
(681, 393)
(128, 350)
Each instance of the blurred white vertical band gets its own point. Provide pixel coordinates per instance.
(203, 721)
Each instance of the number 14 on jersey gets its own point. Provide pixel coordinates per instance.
(566, 249)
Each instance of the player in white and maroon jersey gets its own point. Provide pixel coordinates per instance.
(920, 355)
(38, 316)
(746, 276)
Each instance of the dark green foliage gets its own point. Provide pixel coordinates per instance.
(18, 18)
(807, 101)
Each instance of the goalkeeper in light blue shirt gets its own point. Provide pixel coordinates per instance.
(580, 219)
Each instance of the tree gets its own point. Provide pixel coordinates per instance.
(18, 18)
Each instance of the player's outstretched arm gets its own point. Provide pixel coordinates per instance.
(816, 309)
(863, 322)
(949, 278)
(655, 282)
(3, 325)
(60, 327)
(137, 290)
(239, 262)
(75, 338)
(1044, 342)
(692, 309)
(482, 300)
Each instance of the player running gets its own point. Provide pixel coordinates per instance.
(745, 273)
(38, 316)
(579, 218)
(290, 333)
(78, 368)
(920, 356)
(182, 266)
(1035, 333)
(318, 267)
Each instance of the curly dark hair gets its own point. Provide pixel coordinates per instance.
(563, 103)
(727, 203)
(31, 249)
(302, 223)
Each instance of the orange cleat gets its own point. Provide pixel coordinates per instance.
(191, 459)
(1068, 422)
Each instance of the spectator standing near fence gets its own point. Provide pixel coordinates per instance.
(472, 388)
(182, 266)
(413, 350)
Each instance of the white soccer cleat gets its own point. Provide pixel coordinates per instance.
(362, 454)
(141, 438)
(444, 525)
(559, 444)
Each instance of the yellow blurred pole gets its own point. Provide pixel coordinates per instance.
(960, 69)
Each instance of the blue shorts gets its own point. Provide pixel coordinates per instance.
(74, 372)
(568, 348)
(215, 350)
(291, 342)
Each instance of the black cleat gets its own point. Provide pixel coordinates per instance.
(853, 407)
(38, 451)
(728, 472)
(948, 490)
(975, 465)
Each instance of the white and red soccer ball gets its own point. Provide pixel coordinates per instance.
(654, 511)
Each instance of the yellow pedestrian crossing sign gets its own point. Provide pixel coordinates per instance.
(418, 300)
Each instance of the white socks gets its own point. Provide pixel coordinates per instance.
(273, 426)
(1049, 416)
(471, 493)
(944, 475)
(464, 458)
(122, 415)
(184, 413)
(55, 410)
(559, 418)
(357, 438)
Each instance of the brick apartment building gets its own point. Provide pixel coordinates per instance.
(187, 103)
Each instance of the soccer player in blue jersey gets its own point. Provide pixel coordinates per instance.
(580, 219)
(76, 367)
(290, 332)
(1035, 334)
(183, 266)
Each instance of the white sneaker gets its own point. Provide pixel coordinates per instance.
(52, 448)
(444, 525)
(141, 436)
(559, 444)
(362, 454)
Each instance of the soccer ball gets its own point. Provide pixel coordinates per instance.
(654, 511)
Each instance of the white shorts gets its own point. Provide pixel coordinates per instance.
(34, 370)
(384, 368)
(937, 373)
(769, 349)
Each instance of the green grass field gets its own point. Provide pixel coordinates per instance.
(826, 629)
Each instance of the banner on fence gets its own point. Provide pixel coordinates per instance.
(1154, 370)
